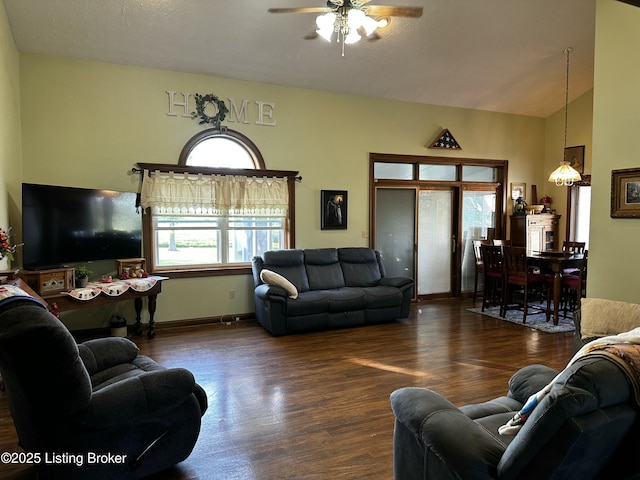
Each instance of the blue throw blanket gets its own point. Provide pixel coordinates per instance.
(10, 293)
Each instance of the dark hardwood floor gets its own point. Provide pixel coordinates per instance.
(316, 406)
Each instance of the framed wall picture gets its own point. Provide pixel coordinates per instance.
(574, 156)
(625, 193)
(518, 190)
(333, 209)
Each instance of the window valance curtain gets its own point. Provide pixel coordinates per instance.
(223, 195)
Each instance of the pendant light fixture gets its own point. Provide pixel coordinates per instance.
(565, 174)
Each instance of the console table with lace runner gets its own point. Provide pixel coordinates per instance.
(101, 293)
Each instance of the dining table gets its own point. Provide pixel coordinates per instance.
(555, 262)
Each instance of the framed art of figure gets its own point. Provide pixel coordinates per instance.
(574, 156)
(518, 190)
(333, 209)
(625, 193)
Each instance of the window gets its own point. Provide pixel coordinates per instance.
(222, 148)
(438, 172)
(393, 171)
(579, 211)
(217, 209)
(200, 240)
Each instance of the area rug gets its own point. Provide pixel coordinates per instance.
(537, 321)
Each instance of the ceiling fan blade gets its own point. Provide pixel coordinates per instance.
(300, 10)
(383, 11)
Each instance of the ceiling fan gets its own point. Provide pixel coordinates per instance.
(351, 20)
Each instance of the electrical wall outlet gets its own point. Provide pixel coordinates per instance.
(232, 294)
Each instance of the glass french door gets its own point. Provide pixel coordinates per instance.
(436, 242)
(428, 234)
(478, 223)
(395, 230)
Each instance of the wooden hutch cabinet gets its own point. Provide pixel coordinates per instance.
(536, 232)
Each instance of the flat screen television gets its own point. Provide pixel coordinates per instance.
(62, 225)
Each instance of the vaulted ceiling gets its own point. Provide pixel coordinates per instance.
(496, 55)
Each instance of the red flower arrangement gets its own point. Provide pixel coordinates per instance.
(6, 249)
(546, 200)
(53, 308)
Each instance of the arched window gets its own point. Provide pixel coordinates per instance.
(196, 219)
(221, 148)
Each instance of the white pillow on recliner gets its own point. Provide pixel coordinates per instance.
(272, 278)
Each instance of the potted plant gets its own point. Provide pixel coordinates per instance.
(82, 276)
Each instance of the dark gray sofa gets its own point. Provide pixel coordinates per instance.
(337, 287)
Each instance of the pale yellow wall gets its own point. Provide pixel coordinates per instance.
(10, 144)
(86, 124)
(614, 263)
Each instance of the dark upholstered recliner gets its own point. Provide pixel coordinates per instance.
(585, 427)
(99, 397)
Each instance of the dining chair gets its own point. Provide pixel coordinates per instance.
(572, 247)
(519, 276)
(574, 287)
(477, 253)
(502, 243)
(493, 275)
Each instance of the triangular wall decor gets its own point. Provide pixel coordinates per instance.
(445, 140)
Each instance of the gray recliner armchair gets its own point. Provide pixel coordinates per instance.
(585, 427)
(112, 412)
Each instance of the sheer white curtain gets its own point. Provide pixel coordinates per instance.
(214, 194)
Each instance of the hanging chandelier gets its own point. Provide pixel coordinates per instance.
(565, 174)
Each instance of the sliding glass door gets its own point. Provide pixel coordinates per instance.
(436, 242)
(425, 214)
(395, 230)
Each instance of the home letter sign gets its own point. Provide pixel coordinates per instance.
(239, 112)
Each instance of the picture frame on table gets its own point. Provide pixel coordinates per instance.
(574, 156)
(333, 209)
(625, 193)
(518, 190)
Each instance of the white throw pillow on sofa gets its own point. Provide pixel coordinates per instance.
(272, 278)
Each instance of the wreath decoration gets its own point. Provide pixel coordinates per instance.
(201, 104)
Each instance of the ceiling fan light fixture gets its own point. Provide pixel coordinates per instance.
(369, 25)
(326, 21)
(326, 25)
(355, 18)
(352, 37)
(326, 34)
(350, 20)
